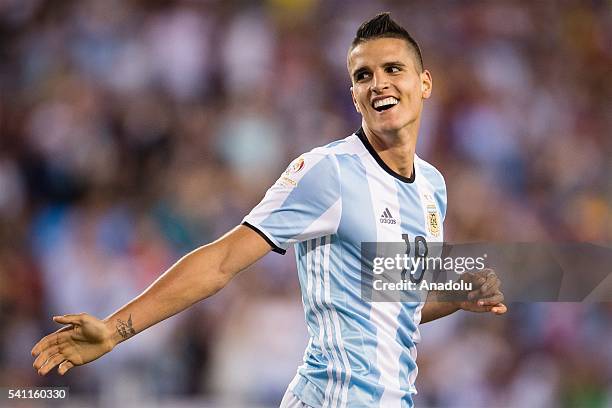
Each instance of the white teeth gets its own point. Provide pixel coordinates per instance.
(387, 101)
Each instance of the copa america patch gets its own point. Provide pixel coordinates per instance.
(286, 179)
(296, 166)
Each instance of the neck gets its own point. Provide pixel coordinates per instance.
(396, 149)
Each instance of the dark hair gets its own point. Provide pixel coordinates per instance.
(383, 26)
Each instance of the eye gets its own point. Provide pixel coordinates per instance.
(361, 76)
(393, 69)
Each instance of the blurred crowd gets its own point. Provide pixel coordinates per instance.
(134, 131)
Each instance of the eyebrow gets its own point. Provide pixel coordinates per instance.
(385, 65)
(394, 63)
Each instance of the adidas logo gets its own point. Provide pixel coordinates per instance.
(387, 218)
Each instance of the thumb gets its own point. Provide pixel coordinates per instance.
(69, 319)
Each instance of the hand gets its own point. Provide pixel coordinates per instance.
(485, 295)
(84, 340)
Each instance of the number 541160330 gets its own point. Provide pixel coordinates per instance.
(36, 393)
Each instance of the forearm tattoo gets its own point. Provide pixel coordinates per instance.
(125, 329)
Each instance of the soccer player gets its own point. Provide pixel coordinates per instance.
(368, 187)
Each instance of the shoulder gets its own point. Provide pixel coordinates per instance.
(316, 168)
(434, 178)
(431, 173)
(348, 145)
(327, 155)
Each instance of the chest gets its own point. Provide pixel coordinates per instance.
(383, 209)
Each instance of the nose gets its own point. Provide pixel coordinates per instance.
(379, 82)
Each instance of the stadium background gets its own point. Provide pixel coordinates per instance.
(134, 131)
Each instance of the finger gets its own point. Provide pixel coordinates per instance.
(44, 356)
(491, 285)
(50, 340)
(35, 350)
(53, 344)
(476, 294)
(42, 344)
(499, 309)
(69, 319)
(66, 319)
(473, 294)
(50, 364)
(64, 367)
(492, 300)
(477, 278)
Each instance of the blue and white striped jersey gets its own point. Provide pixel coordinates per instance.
(329, 201)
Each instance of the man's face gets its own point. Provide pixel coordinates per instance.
(387, 88)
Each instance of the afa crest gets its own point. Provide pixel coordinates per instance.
(433, 220)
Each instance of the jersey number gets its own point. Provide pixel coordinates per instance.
(419, 256)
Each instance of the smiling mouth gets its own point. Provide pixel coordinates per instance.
(382, 105)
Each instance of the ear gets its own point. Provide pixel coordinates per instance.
(426, 84)
(354, 100)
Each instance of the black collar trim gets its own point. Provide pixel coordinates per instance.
(361, 135)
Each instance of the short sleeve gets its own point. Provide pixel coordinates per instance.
(304, 203)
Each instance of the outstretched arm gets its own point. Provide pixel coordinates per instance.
(485, 296)
(194, 277)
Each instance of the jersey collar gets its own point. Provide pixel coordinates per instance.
(362, 136)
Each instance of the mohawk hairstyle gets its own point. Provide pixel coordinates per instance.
(383, 26)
